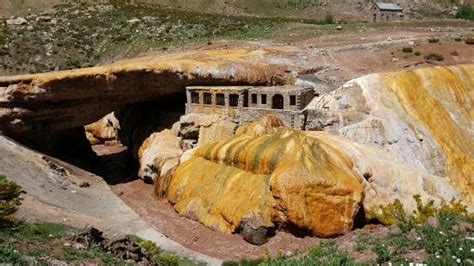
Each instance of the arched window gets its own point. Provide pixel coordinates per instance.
(277, 101)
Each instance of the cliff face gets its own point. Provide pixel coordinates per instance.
(422, 117)
(68, 99)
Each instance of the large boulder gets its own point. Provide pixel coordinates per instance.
(312, 181)
(106, 129)
(199, 129)
(159, 155)
(255, 183)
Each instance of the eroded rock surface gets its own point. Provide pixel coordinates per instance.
(284, 178)
(159, 155)
(392, 136)
(424, 118)
(68, 99)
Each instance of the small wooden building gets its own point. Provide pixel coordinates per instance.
(387, 12)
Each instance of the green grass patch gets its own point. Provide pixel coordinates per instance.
(465, 12)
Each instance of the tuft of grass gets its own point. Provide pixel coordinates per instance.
(433, 40)
(470, 40)
(417, 53)
(9, 254)
(407, 50)
(434, 57)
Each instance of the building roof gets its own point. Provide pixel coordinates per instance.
(218, 88)
(389, 6)
(276, 89)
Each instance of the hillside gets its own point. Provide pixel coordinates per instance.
(341, 9)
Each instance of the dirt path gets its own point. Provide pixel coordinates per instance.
(54, 194)
(195, 236)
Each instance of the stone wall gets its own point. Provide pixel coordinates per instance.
(295, 119)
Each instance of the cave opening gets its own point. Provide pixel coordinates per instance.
(113, 157)
(118, 157)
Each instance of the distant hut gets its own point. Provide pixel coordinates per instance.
(387, 12)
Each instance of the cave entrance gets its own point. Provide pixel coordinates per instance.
(132, 125)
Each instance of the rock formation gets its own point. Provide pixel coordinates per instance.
(422, 117)
(400, 134)
(68, 99)
(159, 155)
(106, 129)
(284, 178)
(310, 181)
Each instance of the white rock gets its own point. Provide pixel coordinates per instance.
(133, 21)
(17, 21)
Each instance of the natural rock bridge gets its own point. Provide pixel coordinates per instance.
(68, 99)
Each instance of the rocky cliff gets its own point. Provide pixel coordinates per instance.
(423, 117)
(68, 99)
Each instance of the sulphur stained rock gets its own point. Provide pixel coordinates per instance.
(258, 182)
(268, 124)
(424, 118)
(106, 129)
(385, 179)
(159, 156)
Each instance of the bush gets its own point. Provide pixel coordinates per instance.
(457, 39)
(417, 53)
(465, 12)
(9, 199)
(454, 53)
(407, 50)
(470, 40)
(434, 57)
(433, 40)
(8, 254)
(328, 19)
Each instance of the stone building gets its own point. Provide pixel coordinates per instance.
(246, 104)
(387, 12)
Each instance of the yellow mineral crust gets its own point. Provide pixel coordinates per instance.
(284, 177)
(442, 100)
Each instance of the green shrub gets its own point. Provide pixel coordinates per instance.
(465, 12)
(8, 254)
(454, 53)
(434, 57)
(470, 40)
(10, 199)
(328, 19)
(433, 40)
(407, 50)
(383, 254)
(457, 39)
(417, 53)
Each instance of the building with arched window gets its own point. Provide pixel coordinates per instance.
(245, 103)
